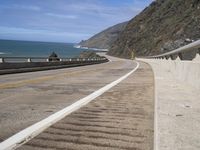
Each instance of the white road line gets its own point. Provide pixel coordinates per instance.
(25, 135)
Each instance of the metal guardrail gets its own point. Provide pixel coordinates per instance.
(179, 52)
(45, 59)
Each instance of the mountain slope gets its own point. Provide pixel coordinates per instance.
(163, 26)
(104, 39)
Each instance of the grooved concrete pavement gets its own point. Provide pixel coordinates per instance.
(122, 118)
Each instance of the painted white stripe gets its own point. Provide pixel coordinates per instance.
(25, 135)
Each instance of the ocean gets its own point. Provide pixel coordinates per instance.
(12, 48)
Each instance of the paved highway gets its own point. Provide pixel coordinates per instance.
(121, 118)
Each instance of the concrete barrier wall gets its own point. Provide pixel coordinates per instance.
(177, 86)
(183, 71)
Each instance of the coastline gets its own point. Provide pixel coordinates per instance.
(88, 48)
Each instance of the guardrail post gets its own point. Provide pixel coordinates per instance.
(2, 60)
(29, 60)
(180, 55)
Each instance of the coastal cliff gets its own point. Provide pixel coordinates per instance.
(161, 27)
(104, 39)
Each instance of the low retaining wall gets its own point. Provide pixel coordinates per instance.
(183, 71)
(8, 68)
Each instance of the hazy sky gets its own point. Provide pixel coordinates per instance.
(63, 20)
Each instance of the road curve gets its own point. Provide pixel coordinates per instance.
(121, 118)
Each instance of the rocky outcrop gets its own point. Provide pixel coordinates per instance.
(53, 57)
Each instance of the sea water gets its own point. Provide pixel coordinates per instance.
(12, 48)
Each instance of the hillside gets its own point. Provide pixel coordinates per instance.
(104, 39)
(163, 26)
